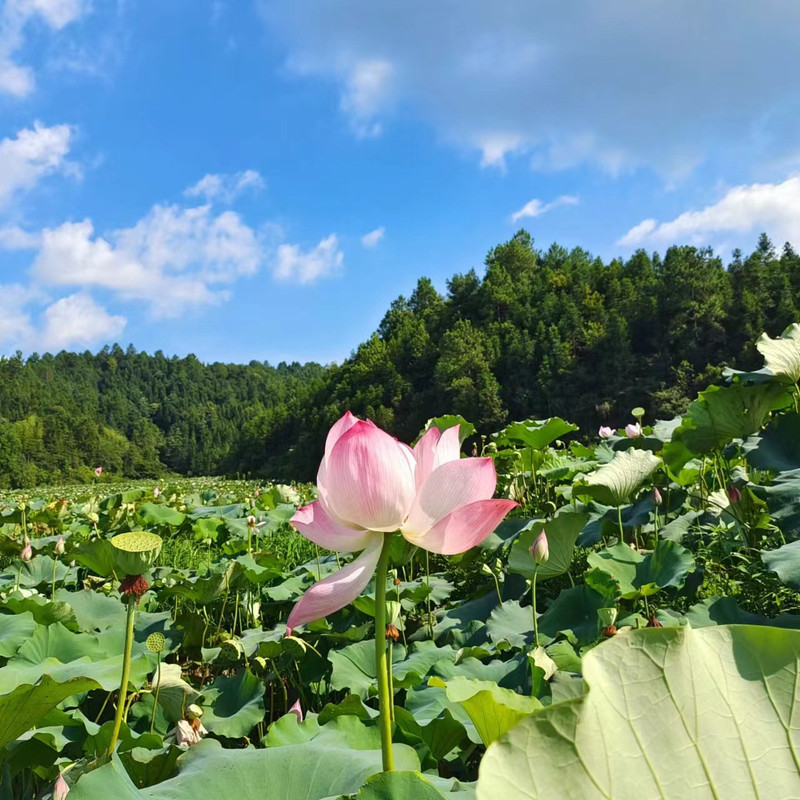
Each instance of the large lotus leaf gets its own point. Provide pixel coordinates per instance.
(635, 574)
(234, 705)
(152, 514)
(782, 355)
(616, 482)
(783, 502)
(24, 705)
(412, 786)
(723, 413)
(512, 623)
(575, 610)
(15, 629)
(726, 611)
(311, 770)
(63, 655)
(36, 572)
(492, 709)
(785, 561)
(174, 693)
(354, 665)
(97, 556)
(670, 713)
(537, 433)
(440, 735)
(777, 447)
(562, 532)
(44, 610)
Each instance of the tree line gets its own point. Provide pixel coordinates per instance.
(538, 333)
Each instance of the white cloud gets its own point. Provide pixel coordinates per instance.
(30, 156)
(771, 207)
(12, 237)
(296, 266)
(365, 92)
(226, 187)
(78, 320)
(619, 84)
(16, 329)
(172, 259)
(15, 15)
(535, 208)
(372, 238)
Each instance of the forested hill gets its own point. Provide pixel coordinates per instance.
(538, 334)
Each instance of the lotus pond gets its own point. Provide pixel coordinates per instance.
(628, 630)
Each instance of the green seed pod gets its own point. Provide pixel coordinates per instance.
(155, 642)
(136, 552)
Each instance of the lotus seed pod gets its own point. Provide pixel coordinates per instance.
(155, 642)
(251, 521)
(136, 552)
(60, 548)
(194, 712)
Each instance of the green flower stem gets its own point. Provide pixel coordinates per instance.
(155, 700)
(381, 670)
(126, 671)
(55, 564)
(533, 605)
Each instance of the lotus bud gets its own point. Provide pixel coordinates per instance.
(156, 492)
(734, 495)
(540, 549)
(633, 430)
(256, 493)
(98, 471)
(60, 548)
(61, 788)
(657, 499)
(297, 710)
(605, 432)
(27, 553)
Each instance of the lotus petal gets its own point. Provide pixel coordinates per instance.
(316, 525)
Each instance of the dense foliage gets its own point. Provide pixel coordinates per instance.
(652, 651)
(539, 334)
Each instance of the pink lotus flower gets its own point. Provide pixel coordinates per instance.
(370, 485)
(633, 430)
(60, 789)
(540, 549)
(605, 432)
(27, 553)
(98, 471)
(297, 710)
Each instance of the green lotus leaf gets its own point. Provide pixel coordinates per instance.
(233, 705)
(670, 713)
(562, 533)
(615, 483)
(537, 433)
(782, 355)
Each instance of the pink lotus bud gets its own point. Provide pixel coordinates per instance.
(60, 548)
(606, 432)
(297, 710)
(256, 493)
(633, 430)
(61, 789)
(156, 493)
(657, 499)
(98, 471)
(27, 553)
(540, 549)
(734, 495)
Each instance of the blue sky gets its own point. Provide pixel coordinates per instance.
(258, 180)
